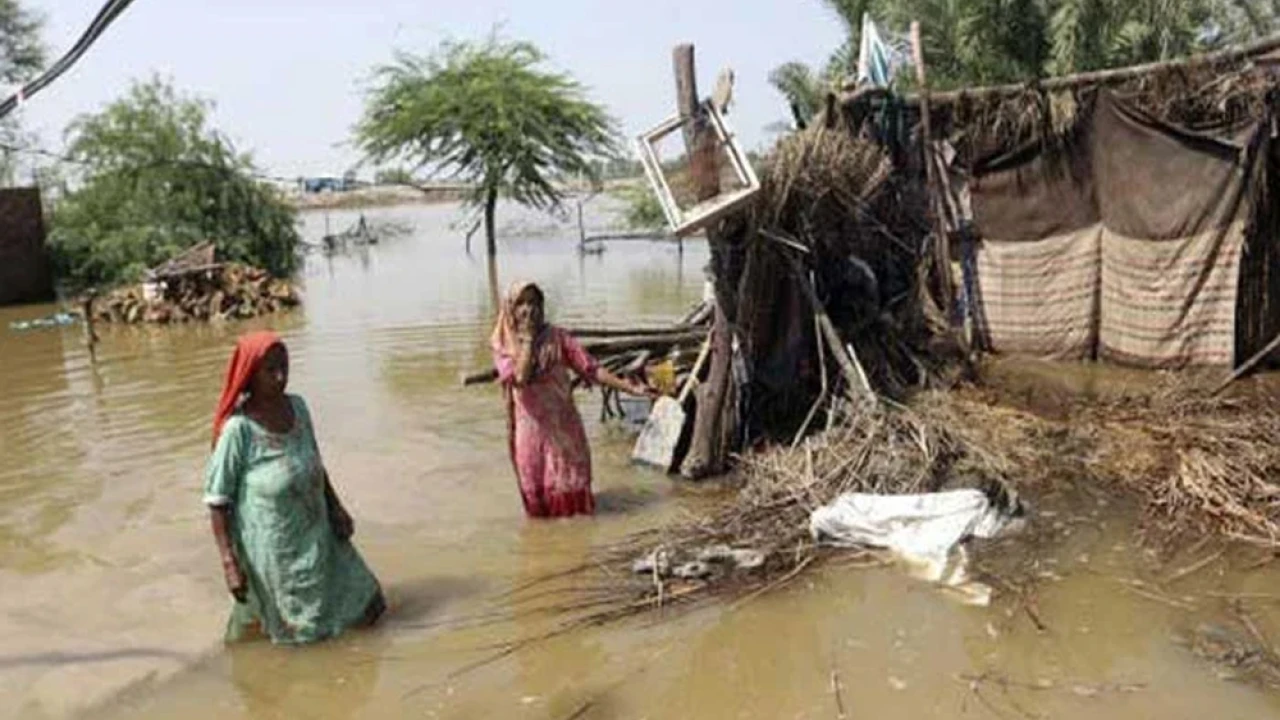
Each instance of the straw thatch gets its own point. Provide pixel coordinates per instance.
(836, 239)
(1214, 93)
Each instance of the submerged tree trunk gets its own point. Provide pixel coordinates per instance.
(491, 245)
(495, 295)
(490, 234)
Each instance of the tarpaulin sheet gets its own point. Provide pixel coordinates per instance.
(1123, 242)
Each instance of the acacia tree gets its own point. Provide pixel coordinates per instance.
(486, 113)
(157, 180)
(22, 55)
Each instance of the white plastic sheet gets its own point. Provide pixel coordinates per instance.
(925, 530)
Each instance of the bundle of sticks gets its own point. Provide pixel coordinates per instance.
(632, 351)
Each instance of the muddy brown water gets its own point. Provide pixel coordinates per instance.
(111, 603)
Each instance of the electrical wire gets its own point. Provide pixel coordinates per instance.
(107, 15)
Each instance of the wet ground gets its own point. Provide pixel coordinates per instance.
(112, 605)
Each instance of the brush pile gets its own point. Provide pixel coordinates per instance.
(835, 236)
(1201, 465)
(832, 291)
(1198, 467)
(824, 283)
(216, 292)
(759, 539)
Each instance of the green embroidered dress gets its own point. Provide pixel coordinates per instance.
(304, 583)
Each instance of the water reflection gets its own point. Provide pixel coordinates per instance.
(333, 681)
(554, 679)
(100, 467)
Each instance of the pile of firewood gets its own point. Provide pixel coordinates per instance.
(226, 291)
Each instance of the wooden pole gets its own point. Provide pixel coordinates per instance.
(90, 335)
(1251, 51)
(1248, 365)
(846, 358)
(686, 90)
(699, 140)
(708, 452)
(941, 250)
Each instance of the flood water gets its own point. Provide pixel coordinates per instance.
(111, 596)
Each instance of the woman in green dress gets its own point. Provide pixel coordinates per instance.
(284, 537)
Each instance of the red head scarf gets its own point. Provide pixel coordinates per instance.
(245, 359)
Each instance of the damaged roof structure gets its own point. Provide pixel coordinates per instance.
(1127, 215)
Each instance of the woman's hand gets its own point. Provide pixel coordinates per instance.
(343, 526)
(640, 389)
(628, 386)
(236, 583)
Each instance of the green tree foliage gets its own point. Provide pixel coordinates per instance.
(983, 42)
(642, 210)
(22, 56)
(394, 176)
(802, 87)
(488, 114)
(158, 180)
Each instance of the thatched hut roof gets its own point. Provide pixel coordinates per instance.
(1265, 52)
(1218, 92)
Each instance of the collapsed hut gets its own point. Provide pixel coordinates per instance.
(1127, 216)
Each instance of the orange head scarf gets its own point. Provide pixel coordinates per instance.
(245, 359)
(505, 337)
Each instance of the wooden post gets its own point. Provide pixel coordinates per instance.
(712, 429)
(1247, 366)
(699, 140)
(90, 335)
(686, 90)
(942, 251)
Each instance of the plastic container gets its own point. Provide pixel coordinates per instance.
(635, 411)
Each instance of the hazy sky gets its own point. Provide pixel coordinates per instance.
(287, 76)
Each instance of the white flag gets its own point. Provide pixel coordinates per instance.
(877, 60)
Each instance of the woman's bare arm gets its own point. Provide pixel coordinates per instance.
(220, 521)
(631, 387)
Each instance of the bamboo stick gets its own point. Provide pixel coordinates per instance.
(1248, 365)
(856, 380)
(655, 343)
(941, 249)
(658, 332)
(616, 237)
(1244, 52)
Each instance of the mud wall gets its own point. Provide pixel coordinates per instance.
(25, 272)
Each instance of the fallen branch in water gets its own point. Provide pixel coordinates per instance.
(1195, 566)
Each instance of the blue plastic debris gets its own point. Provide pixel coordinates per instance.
(54, 320)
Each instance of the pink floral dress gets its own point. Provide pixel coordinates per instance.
(548, 443)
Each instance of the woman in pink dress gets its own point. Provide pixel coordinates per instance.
(546, 439)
